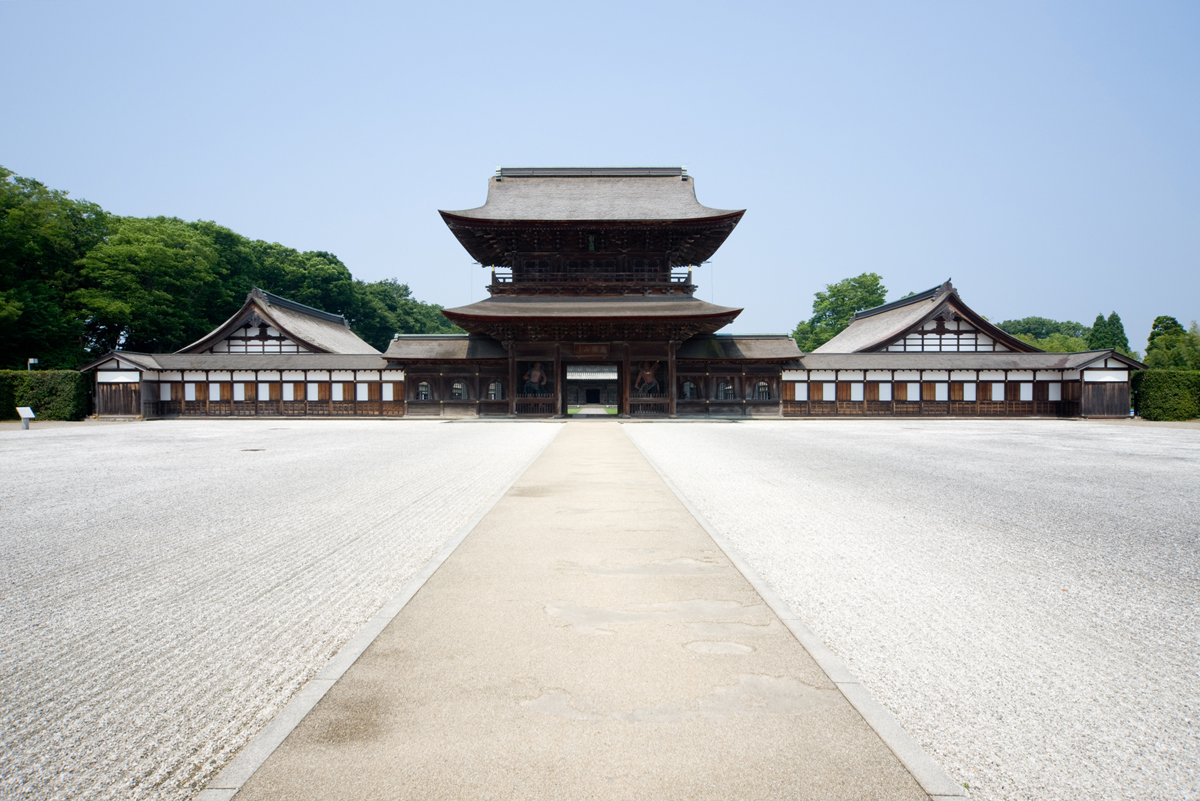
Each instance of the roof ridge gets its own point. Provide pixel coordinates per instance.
(282, 302)
(916, 297)
(589, 172)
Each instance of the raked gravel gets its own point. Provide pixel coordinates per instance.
(166, 587)
(1022, 595)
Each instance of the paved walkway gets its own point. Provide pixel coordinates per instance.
(587, 640)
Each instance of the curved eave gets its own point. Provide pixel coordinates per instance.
(476, 234)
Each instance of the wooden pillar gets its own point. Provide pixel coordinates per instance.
(671, 346)
(512, 376)
(624, 383)
(560, 409)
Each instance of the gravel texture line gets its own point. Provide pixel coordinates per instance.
(165, 588)
(1021, 595)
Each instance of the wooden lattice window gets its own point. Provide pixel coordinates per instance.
(762, 391)
(423, 391)
(690, 390)
(495, 391)
(725, 391)
(458, 391)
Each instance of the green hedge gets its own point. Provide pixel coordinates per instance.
(1166, 394)
(53, 394)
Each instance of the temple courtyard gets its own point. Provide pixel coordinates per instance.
(1018, 595)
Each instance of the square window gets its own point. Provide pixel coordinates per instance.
(885, 391)
(997, 391)
(969, 391)
(264, 391)
(239, 392)
(360, 392)
(856, 391)
(289, 391)
(337, 391)
(214, 392)
(829, 391)
(189, 392)
(941, 391)
(314, 391)
(387, 391)
(1026, 391)
(914, 391)
(1055, 391)
(164, 392)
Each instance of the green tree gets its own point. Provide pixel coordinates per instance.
(834, 308)
(1055, 342)
(1099, 338)
(1042, 328)
(387, 308)
(43, 233)
(151, 284)
(1172, 347)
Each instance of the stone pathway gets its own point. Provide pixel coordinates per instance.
(588, 639)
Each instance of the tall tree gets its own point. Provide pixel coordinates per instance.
(1099, 338)
(43, 233)
(151, 284)
(834, 308)
(1172, 347)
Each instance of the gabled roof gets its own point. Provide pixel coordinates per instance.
(592, 193)
(875, 329)
(319, 331)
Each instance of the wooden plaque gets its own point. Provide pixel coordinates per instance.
(591, 349)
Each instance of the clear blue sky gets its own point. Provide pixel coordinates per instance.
(1046, 156)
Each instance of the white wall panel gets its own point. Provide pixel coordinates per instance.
(795, 375)
(879, 375)
(1020, 375)
(1092, 376)
(171, 375)
(118, 377)
(822, 375)
(850, 375)
(991, 375)
(220, 375)
(908, 375)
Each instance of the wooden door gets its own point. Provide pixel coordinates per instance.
(1105, 399)
(118, 399)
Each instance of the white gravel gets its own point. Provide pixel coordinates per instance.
(164, 589)
(1022, 595)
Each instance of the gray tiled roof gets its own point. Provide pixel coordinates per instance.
(591, 194)
(444, 347)
(250, 361)
(733, 346)
(884, 360)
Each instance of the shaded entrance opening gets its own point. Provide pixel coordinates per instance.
(592, 389)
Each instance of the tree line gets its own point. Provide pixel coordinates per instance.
(1169, 345)
(77, 281)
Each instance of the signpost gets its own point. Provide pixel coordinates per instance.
(26, 415)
